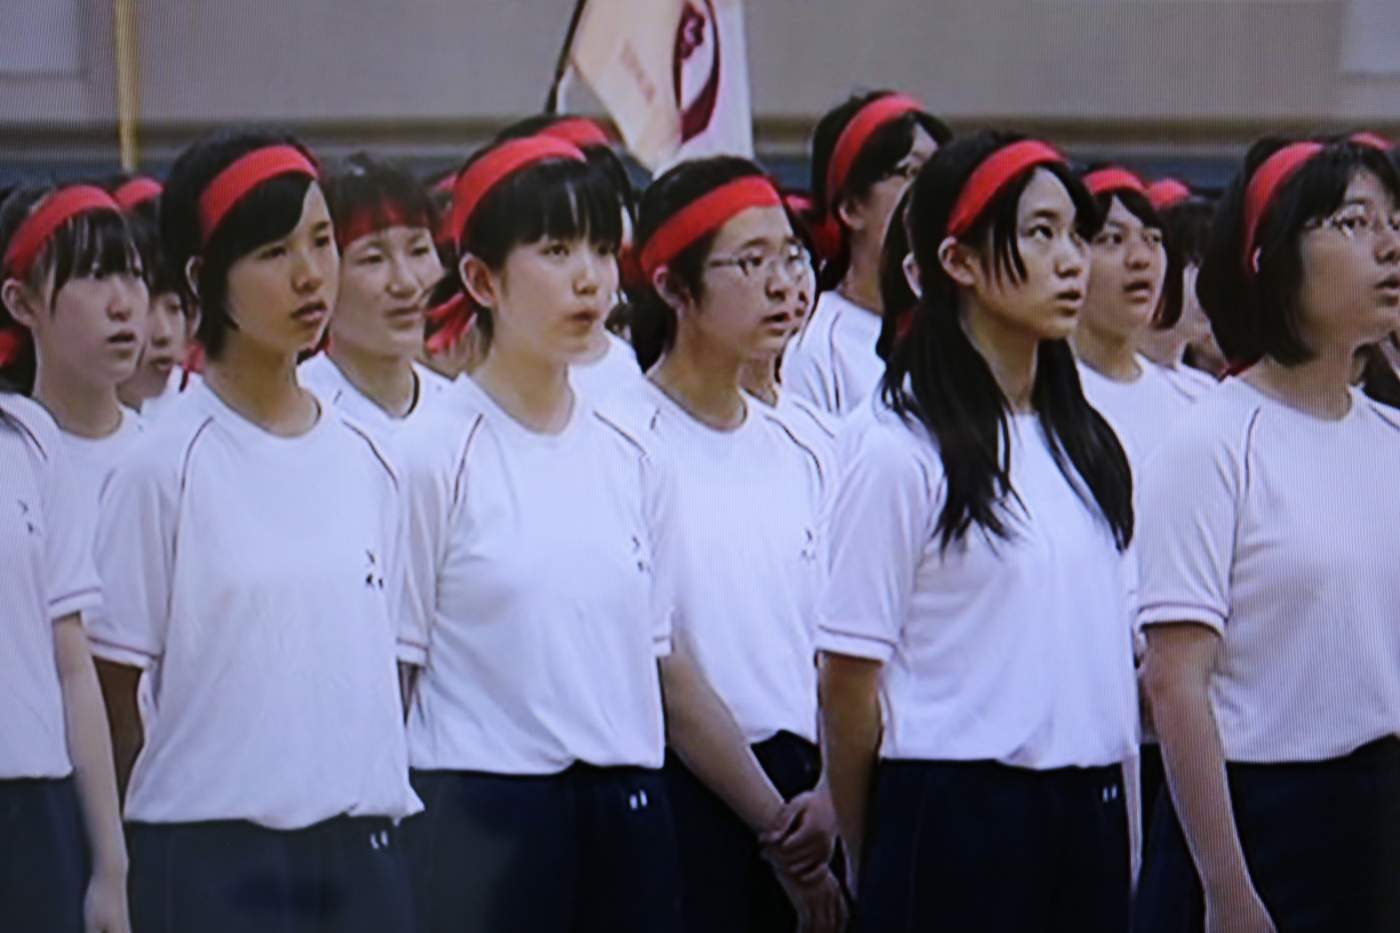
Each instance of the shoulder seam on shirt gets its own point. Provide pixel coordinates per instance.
(22, 427)
(462, 459)
(374, 448)
(626, 435)
(189, 450)
(802, 445)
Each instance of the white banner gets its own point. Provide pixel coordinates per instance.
(1371, 38)
(672, 73)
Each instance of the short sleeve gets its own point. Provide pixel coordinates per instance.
(1189, 504)
(881, 519)
(804, 377)
(69, 537)
(136, 524)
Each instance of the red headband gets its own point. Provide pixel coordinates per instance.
(1167, 193)
(53, 212)
(1113, 179)
(580, 131)
(477, 180)
(14, 341)
(704, 215)
(233, 184)
(376, 217)
(137, 192)
(1262, 187)
(1374, 140)
(453, 317)
(868, 120)
(995, 172)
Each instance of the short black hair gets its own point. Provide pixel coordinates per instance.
(1168, 311)
(1257, 314)
(882, 153)
(269, 212)
(653, 320)
(364, 184)
(94, 243)
(602, 156)
(561, 199)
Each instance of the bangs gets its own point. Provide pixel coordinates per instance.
(559, 200)
(268, 213)
(91, 245)
(367, 195)
(1321, 185)
(1135, 203)
(1003, 213)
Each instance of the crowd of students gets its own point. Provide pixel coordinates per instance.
(977, 541)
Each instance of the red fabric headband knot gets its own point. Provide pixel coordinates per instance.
(705, 215)
(866, 123)
(1264, 185)
(479, 178)
(1113, 179)
(993, 175)
(137, 192)
(1167, 193)
(235, 182)
(35, 231)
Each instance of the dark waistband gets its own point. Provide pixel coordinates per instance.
(1381, 753)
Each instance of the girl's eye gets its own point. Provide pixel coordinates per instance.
(323, 241)
(369, 259)
(421, 249)
(750, 264)
(1042, 232)
(273, 252)
(557, 250)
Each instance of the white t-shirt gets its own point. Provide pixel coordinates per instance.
(615, 370)
(531, 555)
(90, 462)
(747, 519)
(1140, 412)
(179, 383)
(1017, 650)
(320, 375)
(832, 362)
(257, 579)
(1276, 529)
(1188, 380)
(46, 573)
(814, 428)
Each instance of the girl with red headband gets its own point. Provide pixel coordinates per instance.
(71, 277)
(726, 284)
(1269, 605)
(1185, 353)
(865, 153)
(75, 306)
(384, 225)
(1134, 285)
(160, 378)
(978, 694)
(536, 730)
(249, 553)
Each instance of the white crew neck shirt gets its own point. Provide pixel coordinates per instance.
(1275, 529)
(532, 558)
(832, 363)
(1017, 651)
(1189, 381)
(322, 376)
(748, 515)
(257, 579)
(1140, 412)
(616, 370)
(177, 385)
(46, 573)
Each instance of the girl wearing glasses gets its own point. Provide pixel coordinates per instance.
(726, 282)
(865, 154)
(978, 695)
(1273, 653)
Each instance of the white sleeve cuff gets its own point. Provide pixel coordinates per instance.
(412, 653)
(854, 644)
(1167, 613)
(86, 601)
(120, 654)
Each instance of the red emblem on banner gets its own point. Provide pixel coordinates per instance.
(696, 65)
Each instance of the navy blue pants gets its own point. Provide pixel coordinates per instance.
(43, 857)
(345, 875)
(589, 850)
(980, 846)
(1321, 839)
(726, 885)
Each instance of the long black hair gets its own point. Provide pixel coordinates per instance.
(653, 320)
(1256, 313)
(877, 159)
(938, 378)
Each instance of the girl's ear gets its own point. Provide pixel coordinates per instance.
(959, 261)
(19, 301)
(192, 270)
(481, 285)
(667, 287)
(911, 275)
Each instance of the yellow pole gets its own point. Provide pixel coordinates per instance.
(128, 82)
